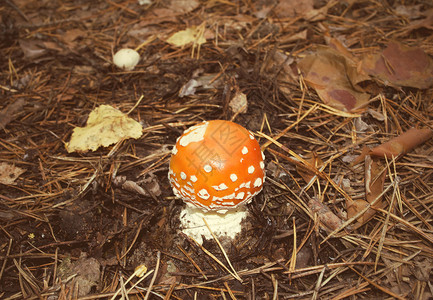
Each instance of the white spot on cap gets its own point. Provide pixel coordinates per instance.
(193, 178)
(262, 165)
(207, 168)
(176, 192)
(263, 156)
(220, 187)
(258, 182)
(185, 193)
(231, 196)
(182, 175)
(240, 195)
(251, 135)
(174, 150)
(244, 150)
(193, 134)
(175, 183)
(203, 194)
(250, 169)
(189, 189)
(233, 177)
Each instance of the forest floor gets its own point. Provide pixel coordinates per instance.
(339, 94)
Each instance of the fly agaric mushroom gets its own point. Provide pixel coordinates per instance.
(216, 167)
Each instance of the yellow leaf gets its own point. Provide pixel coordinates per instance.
(184, 37)
(105, 126)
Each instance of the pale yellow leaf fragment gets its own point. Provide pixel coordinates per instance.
(239, 103)
(105, 126)
(9, 173)
(184, 37)
(140, 270)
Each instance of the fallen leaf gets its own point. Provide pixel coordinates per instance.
(239, 104)
(306, 173)
(293, 8)
(32, 49)
(183, 6)
(301, 9)
(85, 273)
(188, 88)
(105, 126)
(376, 114)
(132, 186)
(52, 46)
(204, 82)
(278, 66)
(328, 219)
(184, 37)
(400, 65)
(334, 77)
(9, 173)
(70, 36)
(7, 113)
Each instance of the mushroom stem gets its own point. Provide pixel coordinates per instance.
(222, 225)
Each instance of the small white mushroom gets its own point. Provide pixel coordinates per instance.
(126, 59)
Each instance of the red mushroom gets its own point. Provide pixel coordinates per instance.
(216, 166)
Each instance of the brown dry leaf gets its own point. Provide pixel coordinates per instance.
(85, 273)
(374, 182)
(183, 6)
(355, 206)
(400, 65)
(302, 9)
(306, 173)
(278, 65)
(340, 47)
(293, 8)
(32, 49)
(105, 126)
(52, 46)
(328, 219)
(151, 185)
(9, 173)
(7, 113)
(70, 36)
(334, 77)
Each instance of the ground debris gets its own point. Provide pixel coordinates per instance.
(338, 94)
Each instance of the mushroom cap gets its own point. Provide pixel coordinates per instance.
(126, 58)
(216, 165)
